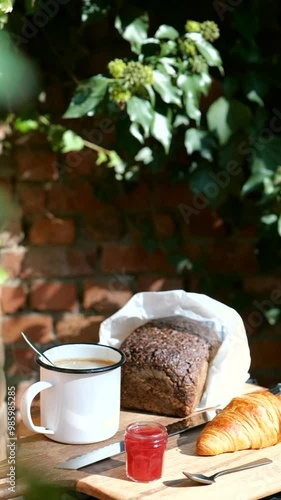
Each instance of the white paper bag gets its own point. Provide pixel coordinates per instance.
(229, 369)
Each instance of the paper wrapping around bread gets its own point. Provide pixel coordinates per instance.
(252, 421)
(227, 372)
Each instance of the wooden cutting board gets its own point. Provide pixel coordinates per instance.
(107, 480)
(250, 484)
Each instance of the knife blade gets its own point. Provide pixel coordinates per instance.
(196, 419)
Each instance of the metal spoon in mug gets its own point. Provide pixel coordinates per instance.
(201, 478)
(35, 348)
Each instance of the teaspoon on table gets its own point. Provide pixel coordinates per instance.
(201, 478)
(35, 348)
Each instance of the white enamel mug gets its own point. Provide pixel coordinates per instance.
(77, 405)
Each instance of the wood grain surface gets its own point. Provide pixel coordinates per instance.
(107, 480)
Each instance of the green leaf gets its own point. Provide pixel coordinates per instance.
(226, 117)
(269, 152)
(88, 96)
(191, 92)
(140, 112)
(168, 64)
(145, 155)
(207, 50)
(94, 11)
(71, 142)
(269, 219)
(198, 140)
(133, 25)
(279, 225)
(180, 120)
(164, 86)
(3, 276)
(161, 130)
(25, 126)
(102, 158)
(165, 31)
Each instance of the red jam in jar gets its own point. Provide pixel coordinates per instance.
(145, 444)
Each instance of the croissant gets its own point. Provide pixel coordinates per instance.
(251, 421)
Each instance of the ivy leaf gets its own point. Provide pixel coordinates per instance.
(191, 92)
(3, 276)
(25, 126)
(226, 117)
(269, 219)
(207, 50)
(71, 142)
(94, 11)
(270, 152)
(132, 24)
(180, 120)
(165, 31)
(161, 130)
(168, 64)
(279, 225)
(140, 112)
(163, 85)
(88, 96)
(145, 155)
(198, 140)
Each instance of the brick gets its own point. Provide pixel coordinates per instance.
(6, 189)
(265, 354)
(32, 198)
(55, 99)
(262, 284)
(158, 284)
(13, 298)
(21, 361)
(34, 138)
(12, 260)
(135, 199)
(104, 224)
(2, 387)
(38, 327)
(11, 233)
(205, 223)
(171, 195)
(132, 258)
(78, 328)
(105, 297)
(232, 256)
(58, 262)
(164, 225)
(82, 162)
(74, 197)
(214, 93)
(37, 166)
(53, 231)
(53, 296)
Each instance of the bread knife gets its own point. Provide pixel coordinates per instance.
(196, 419)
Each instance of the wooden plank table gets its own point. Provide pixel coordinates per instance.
(107, 480)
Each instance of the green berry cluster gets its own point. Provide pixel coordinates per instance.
(208, 29)
(116, 68)
(119, 94)
(187, 47)
(192, 27)
(198, 64)
(130, 78)
(136, 74)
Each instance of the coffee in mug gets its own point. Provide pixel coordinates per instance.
(79, 396)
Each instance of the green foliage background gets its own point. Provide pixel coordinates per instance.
(161, 120)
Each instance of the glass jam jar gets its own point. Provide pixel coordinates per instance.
(145, 445)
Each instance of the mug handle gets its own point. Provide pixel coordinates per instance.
(25, 406)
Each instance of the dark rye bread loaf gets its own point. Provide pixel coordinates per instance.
(166, 367)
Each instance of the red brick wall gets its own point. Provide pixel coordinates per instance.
(72, 260)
